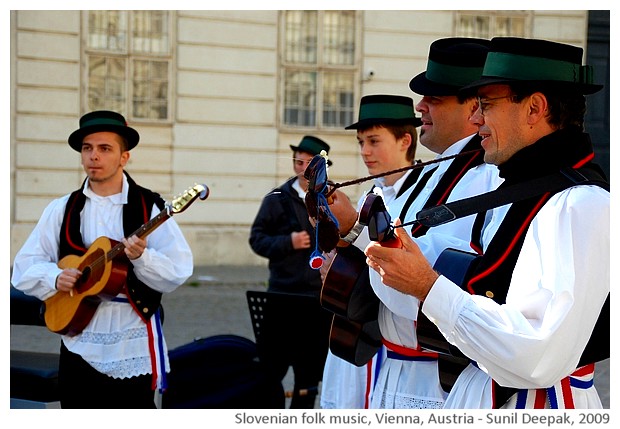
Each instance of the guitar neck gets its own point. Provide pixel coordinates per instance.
(142, 232)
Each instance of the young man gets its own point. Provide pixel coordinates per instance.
(120, 356)
(387, 138)
(296, 330)
(527, 316)
(408, 377)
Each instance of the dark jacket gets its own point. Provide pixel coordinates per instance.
(280, 213)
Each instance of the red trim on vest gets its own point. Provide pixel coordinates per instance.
(449, 188)
(584, 161)
(524, 226)
(67, 229)
(145, 215)
(457, 178)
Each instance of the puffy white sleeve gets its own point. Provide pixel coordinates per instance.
(558, 287)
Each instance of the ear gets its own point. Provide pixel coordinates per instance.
(538, 108)
(406, 141)
(125, 158)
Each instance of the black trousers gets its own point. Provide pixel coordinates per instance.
(295, 334)
(81, 386)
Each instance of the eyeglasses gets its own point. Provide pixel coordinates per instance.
(484, 104)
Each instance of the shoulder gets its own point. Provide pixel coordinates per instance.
(480, 179)
(586, 198)
(55, 209)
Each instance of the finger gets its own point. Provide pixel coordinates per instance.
(403, 235)
(73, 273)
(377, 251)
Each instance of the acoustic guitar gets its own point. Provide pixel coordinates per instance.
(346, 290)
(104, 269)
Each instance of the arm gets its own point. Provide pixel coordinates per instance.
(270, 234)
(558, 288)
(35, 266)
(167, 261)
(455, 234)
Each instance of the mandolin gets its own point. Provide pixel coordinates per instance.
(104, 269)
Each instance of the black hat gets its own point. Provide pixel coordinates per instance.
(515, 59)
(385, 109)
(312, 145)
(103, 120)
(452, 63)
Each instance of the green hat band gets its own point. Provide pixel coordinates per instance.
(452, 75)
(521, 67)
(103, 121)
(385, 111)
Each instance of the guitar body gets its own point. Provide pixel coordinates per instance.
(355, 335)
(101, 280)
(346, 290)
(354, 342)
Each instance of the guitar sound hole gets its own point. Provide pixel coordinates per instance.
(83, 280)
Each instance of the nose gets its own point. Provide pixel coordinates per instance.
(364, 149)
(421, 106)
(477, 118)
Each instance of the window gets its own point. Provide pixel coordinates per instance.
(319, 68)
(128, 63)
(488, 24)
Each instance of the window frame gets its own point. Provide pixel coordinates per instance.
(493, 15)
(320, 67)
(130, 58)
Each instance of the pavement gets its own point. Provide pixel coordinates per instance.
(213, 302)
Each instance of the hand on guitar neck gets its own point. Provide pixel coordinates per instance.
(134, 247)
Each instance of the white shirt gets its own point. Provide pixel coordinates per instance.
(344, 385)
(559, 284)
(415, 384)
(407, 384)
(115, 342)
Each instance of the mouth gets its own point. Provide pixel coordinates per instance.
(483, 136)
(426, 124)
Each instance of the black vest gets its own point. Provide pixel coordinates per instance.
(492, 274)
(450, 179)
(136, 213)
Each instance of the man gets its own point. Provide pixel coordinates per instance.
(296, 330)
(408, 377)
(540, 286)
(120, 356)
(387, 138)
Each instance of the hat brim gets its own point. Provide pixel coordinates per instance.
(423, 86)
(584, 89)
(300, 149)
(371, 122)
(77, 137)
